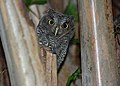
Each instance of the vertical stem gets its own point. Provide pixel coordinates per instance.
(98, 55)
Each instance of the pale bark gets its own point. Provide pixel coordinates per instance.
(21, 47)
(99, 61)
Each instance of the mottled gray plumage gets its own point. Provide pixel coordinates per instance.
(55, 30)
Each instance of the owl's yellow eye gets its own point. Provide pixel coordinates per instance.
(64, 25)
(51, 21)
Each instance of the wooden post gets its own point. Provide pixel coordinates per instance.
(21, 47)
(99, 65)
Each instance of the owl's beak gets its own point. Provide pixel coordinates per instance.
(56, 31)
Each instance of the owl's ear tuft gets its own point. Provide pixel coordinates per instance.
(50, 11)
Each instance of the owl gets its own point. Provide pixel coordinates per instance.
(55, 30)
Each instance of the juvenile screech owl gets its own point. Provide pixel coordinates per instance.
(55, 30)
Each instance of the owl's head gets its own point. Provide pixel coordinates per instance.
(56, 23)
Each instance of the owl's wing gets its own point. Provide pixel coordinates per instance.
(62, 47)
(61, 51)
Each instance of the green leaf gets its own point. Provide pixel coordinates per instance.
(71, 9)
(31, 2)
(27, 2)
(75, 41)
(38, 2)
(73, 77)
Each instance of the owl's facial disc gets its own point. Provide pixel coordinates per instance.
(57, 23)
(52, 23)
(61, 29)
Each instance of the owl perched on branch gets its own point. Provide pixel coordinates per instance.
(55, 30)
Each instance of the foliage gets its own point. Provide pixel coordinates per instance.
(71, 9)
(75, 41)
(31, 2)
(73, 77)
